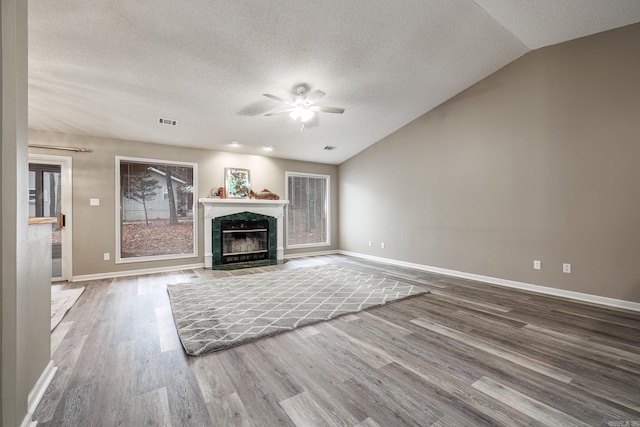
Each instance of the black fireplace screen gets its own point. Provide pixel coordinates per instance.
(244, 241)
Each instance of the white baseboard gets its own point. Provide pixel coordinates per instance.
(305, 254)
(595, 299)
(141, 271)
(35, 395)
(111, 275)
(27, 422)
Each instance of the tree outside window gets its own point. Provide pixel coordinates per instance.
(156, 209)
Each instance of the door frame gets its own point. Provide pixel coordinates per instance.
(66, 183)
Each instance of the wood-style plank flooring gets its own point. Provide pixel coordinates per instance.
(466, 354)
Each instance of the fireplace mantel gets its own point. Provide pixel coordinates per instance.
(214, 208)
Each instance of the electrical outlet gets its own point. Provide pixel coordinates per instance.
(382, 245)
(566, 268)
(106, 256)
(369, 243)
(536, 265)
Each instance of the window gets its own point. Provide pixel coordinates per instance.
(155, 212)
(308, 210)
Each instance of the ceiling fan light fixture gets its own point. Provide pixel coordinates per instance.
(295, 114)
(306, 115)
(302, 113)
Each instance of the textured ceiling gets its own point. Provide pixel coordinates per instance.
(112, 68)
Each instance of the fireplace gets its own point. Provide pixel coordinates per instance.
(245, 243)
(243, 237)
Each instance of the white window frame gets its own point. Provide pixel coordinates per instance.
(118, 257)
(327, 207)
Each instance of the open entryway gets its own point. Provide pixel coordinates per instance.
(50, 196)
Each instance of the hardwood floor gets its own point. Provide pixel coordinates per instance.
(466, 354)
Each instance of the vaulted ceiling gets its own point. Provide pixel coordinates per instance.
(112, 68)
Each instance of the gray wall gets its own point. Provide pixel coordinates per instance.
(541, 161)
(16, 328)
(94, 227)
(38, 295)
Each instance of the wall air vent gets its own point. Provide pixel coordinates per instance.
(330, 147)
(168, 122)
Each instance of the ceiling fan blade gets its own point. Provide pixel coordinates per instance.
(327, 109)
(280, 111)
(277, 98)
(314, 97)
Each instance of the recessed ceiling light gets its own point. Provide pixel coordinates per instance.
(269, 148)
(234, 143)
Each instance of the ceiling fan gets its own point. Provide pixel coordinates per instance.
(302, 106)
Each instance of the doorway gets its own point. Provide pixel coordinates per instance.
(50, 196)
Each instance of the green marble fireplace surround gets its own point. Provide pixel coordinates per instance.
(250, 209)
(242, 221)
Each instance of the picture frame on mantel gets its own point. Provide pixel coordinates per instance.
(236, 183)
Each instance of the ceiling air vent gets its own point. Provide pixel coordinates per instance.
(330, 147)
(168, 122)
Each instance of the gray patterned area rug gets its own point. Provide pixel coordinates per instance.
(223, 313)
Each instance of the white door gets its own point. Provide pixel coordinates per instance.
(50, 196)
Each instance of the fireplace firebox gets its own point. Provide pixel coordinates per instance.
(243, 238)
(244, 241)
